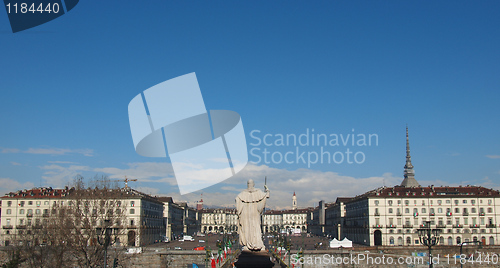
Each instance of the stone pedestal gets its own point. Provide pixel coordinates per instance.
(252, 259)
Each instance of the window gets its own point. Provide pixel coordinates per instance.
(440, 202)
(424, 210)
(389, 202)
(465, 211)
(9, 203)
(415, 210)
(456, 201)
(457, 210)
(8, 221)
(21, 203)
(46, 203)
(407, 202)
(30, 203)
(376, 202)
(132, 211)
(30, 212)
(473, 210)
(132, 203)
(390, 211)
(431, 210)
(9, 211)
(21, 221)
(131, 222)
(448, 201)
(440, 210)
(490, 210)
(38, 203)
(464, 201)
(37, 212)
(489, 202)
(473, 202)
(466, 221)
(399, 202)
(21, 211)
(407, 210)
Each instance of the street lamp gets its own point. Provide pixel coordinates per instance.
(465, 243)
(429, 237)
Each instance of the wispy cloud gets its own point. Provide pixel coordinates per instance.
(15, 163)
(144, 172)
(61, 162)
(494, 156)
(50, 151)
(59, 151)
(8, 185)
(58, 176)
(9, 150)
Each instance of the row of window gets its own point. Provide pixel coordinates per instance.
(439, 210)
(46, 211)
(440, 221)
(46, 203)
(491, 240)
(439, 202)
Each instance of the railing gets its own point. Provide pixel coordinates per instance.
(21, 227)
(377, 213)
(481, 213)
(7, 227)
(408, 226)
(458, 226)
(398, 214)
(131, 227)
(29, 215)
(377, 226)
(491, 225)
(474, 226)
(432, 214)
(465, 213)
(449, 214)
(391, 226)
(441, 225)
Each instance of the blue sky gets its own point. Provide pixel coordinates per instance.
(284, 66)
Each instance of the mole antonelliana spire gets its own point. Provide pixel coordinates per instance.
(409, 175)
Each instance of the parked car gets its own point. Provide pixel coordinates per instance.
(199, 248)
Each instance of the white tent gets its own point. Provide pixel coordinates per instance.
(345, 243)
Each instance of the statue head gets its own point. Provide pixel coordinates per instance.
(250, 184)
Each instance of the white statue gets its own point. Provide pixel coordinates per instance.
(249, 205)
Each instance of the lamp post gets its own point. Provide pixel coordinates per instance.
(465, 243)
(429, 237)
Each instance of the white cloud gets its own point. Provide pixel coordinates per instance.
(493, 156)
(143, 172)
(15, 163)
(9, 185)
(50, 151)
(61, 162)
(310, 186)
(9, 150)
(59, 176)
(59, 151)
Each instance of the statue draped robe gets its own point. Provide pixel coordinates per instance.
(249, 205)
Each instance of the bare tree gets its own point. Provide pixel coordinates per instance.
(79, 229)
